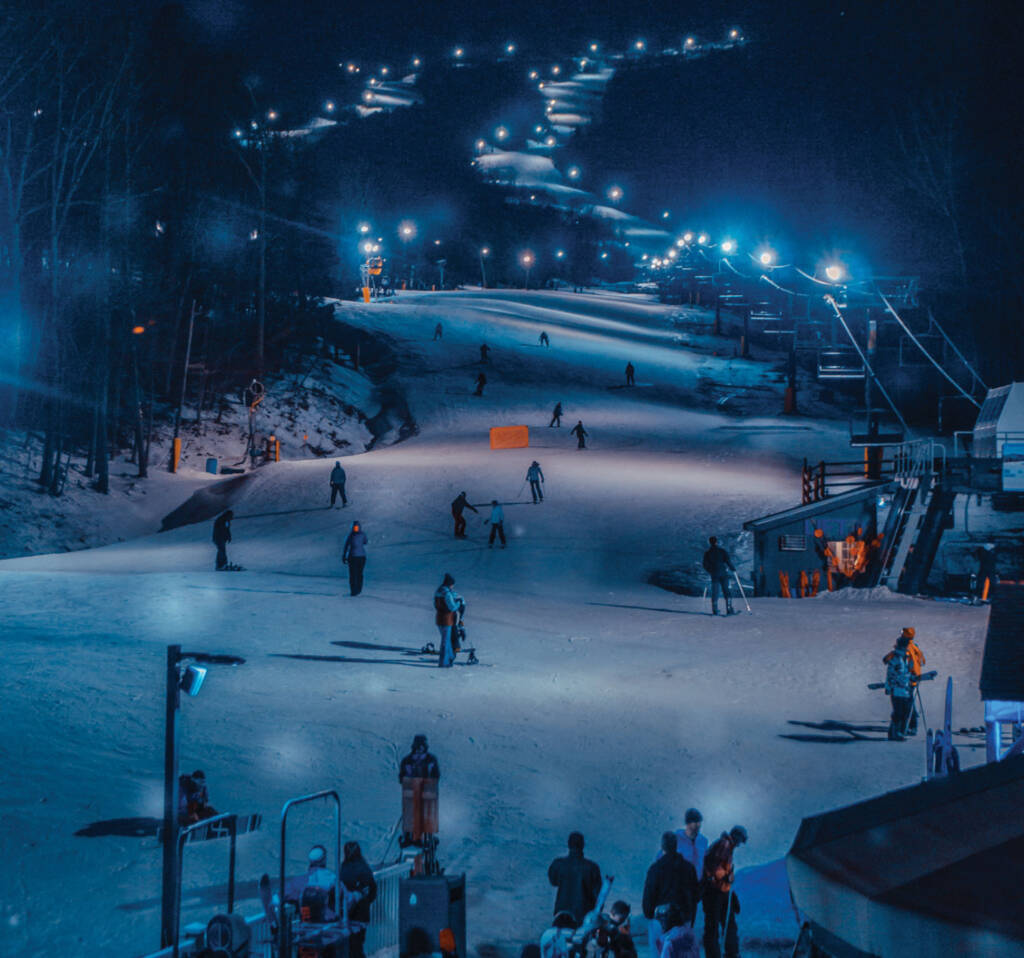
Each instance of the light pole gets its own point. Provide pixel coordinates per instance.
(406, 232)
(187, 679)
(484, 251)
(527, 261)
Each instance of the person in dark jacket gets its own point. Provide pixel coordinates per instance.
(718, 565)
(438, 332)
(630, 375)
(419, 763)
(544, 341)
(899, 686)
(535, 477)
(447, 606)
(577, 879)
(485, 353)
(360, 892)
(581, 435)
(354, 556)
(338, 484)
(721, 906)
(556, 416)
(481, 381)
(459, 504)
(221, 538)
(671, 880)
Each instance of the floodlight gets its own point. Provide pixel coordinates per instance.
(192, 679)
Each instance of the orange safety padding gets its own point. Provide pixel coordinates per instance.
(984, 589)
(803, 584)
(784, 585)
(815, 582)
(510, 437)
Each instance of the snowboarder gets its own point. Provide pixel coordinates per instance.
(338, 484)
(481, 381)
(630, 375)
(556, 416)
(535, 477)
(671, 880)
(438, 332)
(497, 521)
(689, 842)
(221, 538)
(577, 879)
(354, 556)
(446, 607)
(459, 504)
(917, 660)
(485, 351)
(544, 341)
(419, 763)
(718, 565)
(721, 906)
(360, 892)
(581, 434)
(899, 686)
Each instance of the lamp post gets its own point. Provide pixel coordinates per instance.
(527, 261)
(180, 679)
(484, 251)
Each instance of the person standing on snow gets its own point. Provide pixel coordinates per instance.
(221, 538)
(446, 608)
(671, 880)
(481, 381)
(485, 354)
(354, 556)
(535, 477)
(544, 341)
(338, 484)
(420, 762)
(497, 521)
(438, 332)
(458, 505)
(581, 435)
(630, 375)
(721, 906)
(690, 843)
(899, 686)
(360, 893)
(917, 660)
(718, 565)
(556, 416)
(577, 879)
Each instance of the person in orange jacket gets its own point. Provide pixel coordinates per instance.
(917, 661)
(721, 906)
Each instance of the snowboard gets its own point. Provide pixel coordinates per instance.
(245, 824)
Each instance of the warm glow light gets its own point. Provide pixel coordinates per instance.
(510, 48)
(459, 53)
(271, 115)
(533, 74)
(555, 70)
(559, 253)
(665, 214)
(639, 45)
(690, 43)
(615, 193)
(485, 251)
(835, 272)
(593, 48)
(329, 106)
(480, 146)
(573, 172)
(138, 330)
(702, 239)
(728, 246)
(364, 228)
(549, 141)
(672, 254)
(501, 133)
(604, 256)
(526, 259)
(766, 257)
(687, 237)
(416, 62)
(407, 229)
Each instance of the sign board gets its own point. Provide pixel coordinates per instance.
(1013, 467)
(510, 437)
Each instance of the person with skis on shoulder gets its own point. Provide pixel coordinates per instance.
(497, 522)
(917, 660)
(338, 484)
(221, 538)
(899, 686)
(721, 906)
(577, 879)
(535, 477)
(718, 565)
(360, 892)
(459, 504)
(556, 416)
(581, 435)
(354, 556)
(447, 605)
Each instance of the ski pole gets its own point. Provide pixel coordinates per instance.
(728, 914)
(917, 692)
(739, 584)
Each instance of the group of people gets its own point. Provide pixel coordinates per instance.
(685, 874)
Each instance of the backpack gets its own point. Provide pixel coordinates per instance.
(313, 904)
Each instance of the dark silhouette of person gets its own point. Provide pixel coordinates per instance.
(438, 332)
(577, 879)
(718, 565)
(485, 353)
(556, 416)
(581, 435)
(338, 484)
(354, 556)
(481, 381)
(221, 537)
(544, 341)
(459, 503)
(630, 375)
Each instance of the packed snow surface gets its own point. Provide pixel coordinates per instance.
(601, 703)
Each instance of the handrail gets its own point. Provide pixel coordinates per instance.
(232, 822)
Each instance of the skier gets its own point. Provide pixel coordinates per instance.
(577, 879)
(690, 843)
(721, 906)
(485, 351)
(360, 892)
(354, 556)
(419, 763)
(535, 477)
(581, 434)
(556, 416)
(438, 332)
(446, 607)
(458, 505)
(718, 565)
(899, 686)
(671, 880)
(221, 538)
(481, 381)
(338, 484)
(544, 341)
(497, 521)
(630, 375)
(917, 660)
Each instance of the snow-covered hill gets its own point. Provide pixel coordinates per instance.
(602, 702)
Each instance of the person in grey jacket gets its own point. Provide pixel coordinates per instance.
(338, 484)
(354, 556)
(535, 477)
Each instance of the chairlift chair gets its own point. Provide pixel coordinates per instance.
(839, 363)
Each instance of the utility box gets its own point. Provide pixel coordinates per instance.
(426, 906)
(211, 466)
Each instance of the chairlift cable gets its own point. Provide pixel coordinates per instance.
(953, 346)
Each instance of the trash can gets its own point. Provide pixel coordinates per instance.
(211, 466)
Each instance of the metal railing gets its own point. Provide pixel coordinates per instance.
(383, 928)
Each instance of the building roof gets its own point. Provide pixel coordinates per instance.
(1002, 665)
(931, 869)
(819, 508)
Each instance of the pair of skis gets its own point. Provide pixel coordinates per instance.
(739, 585)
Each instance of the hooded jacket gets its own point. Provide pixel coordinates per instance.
(337, 476)
(355, 544)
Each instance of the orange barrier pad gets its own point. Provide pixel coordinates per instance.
(510, 437)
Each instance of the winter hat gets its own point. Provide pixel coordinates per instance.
(576, 840)
(317, 856)
(693, 815)
(738, 834)
(908, 632)
(494, 502)
(419, 741)
(449, 579)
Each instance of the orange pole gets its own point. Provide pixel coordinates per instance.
(175, 453)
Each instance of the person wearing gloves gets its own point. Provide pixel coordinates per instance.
(497, 521)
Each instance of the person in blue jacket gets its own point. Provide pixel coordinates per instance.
(497, 521)
(446, 608)
(354, 556)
